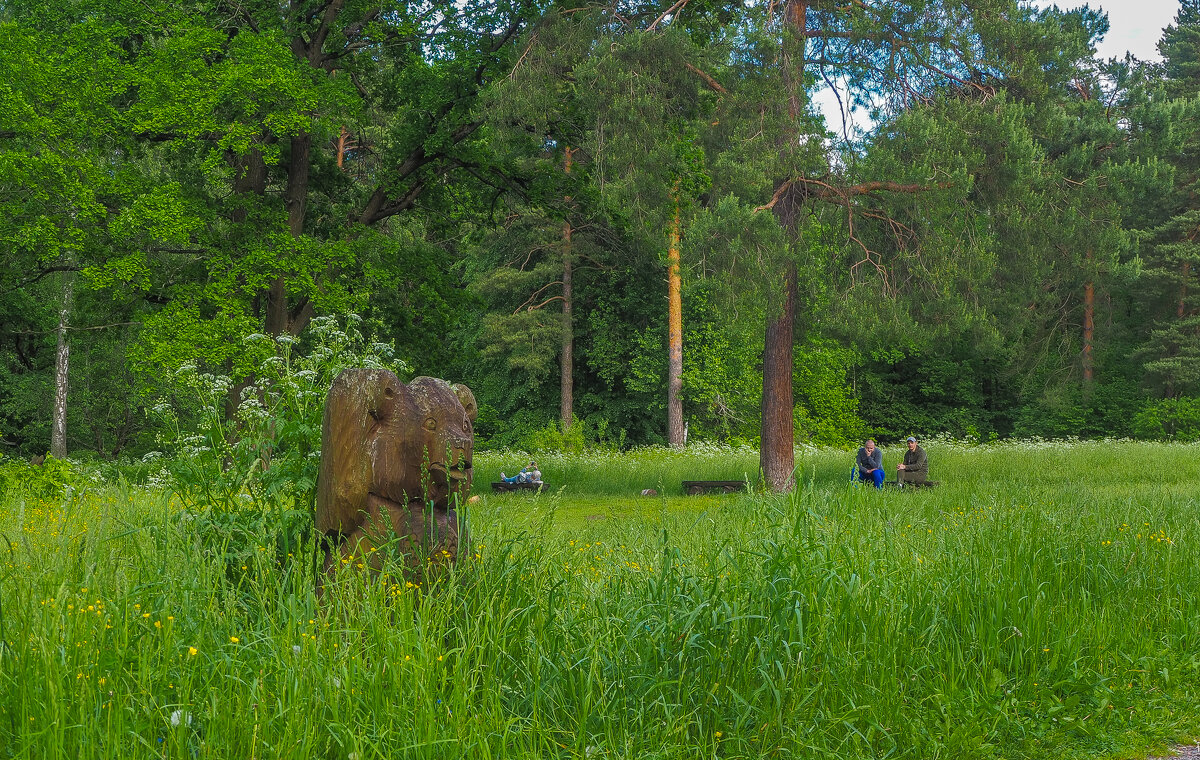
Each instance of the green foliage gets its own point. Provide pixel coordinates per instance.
(826, 411)
(589, 434)
(202, 175)
(1174, 419)
(268, 450)
(48, 480)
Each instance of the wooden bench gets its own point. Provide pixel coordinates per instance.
(697, 487)
(898, 484)
(503, 487)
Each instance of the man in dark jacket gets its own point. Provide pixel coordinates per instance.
(870, 463)
(916, 464)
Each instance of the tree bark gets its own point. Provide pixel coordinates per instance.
(1089, 322)
(1181, 308)
(567, 359)
(777, 453)
(674, 331)
(342, 143)
(279, 319)
(58, 430)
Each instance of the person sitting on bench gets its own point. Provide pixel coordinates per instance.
(530, 474)
(870, 463)
(915, 467)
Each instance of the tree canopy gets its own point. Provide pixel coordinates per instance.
(619, 223)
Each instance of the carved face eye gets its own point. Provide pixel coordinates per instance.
(466, 426)
(430, 424)
(389, 391)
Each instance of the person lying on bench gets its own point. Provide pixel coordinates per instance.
(530, 474)
(915, 467)
(870, 463)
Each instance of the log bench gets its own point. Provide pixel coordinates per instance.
(697, 487)
(502, 487)
(898, 484)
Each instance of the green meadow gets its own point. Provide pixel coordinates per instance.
(1043, 602)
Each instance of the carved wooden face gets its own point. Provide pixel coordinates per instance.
(405, 444)
(447, 438)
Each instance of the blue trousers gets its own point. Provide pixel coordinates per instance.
(876, 476)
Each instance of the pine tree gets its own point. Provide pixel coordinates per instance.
(1171, 352)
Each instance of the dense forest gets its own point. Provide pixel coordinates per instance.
(619, 223)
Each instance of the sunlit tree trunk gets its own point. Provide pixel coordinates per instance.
(342, 141)
(674, 331)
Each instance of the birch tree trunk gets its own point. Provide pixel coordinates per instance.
(58, 430)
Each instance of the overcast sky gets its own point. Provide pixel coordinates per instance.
(1133, 25)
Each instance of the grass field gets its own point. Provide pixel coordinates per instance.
(1043, 602)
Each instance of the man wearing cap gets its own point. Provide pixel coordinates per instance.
(915, 466)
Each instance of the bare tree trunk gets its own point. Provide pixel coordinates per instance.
(567, 360)
(1181, 308)
(279, 319)
(777, 453)
(675, 434)
(58, 430)
(1089, 322)
(777, 456)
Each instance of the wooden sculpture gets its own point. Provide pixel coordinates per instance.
(395, 464)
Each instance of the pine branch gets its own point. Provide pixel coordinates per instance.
(827, 191)
(708, 80)
(679, 4)
(535, 294)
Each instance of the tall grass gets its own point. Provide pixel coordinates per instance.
(622, 473)
(1043, 602)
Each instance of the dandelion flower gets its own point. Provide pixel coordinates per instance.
(192, 651)
(234, 639)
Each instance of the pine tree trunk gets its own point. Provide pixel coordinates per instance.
(1181, 308)
(567, 360)
(777, 456)
(58, 430)
(674, 333)
(1089, 322)
(777, 453)
(341, 147)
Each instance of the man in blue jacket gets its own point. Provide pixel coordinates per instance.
(870, 463)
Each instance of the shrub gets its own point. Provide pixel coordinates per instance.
(1168, 419)
(270, 449)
